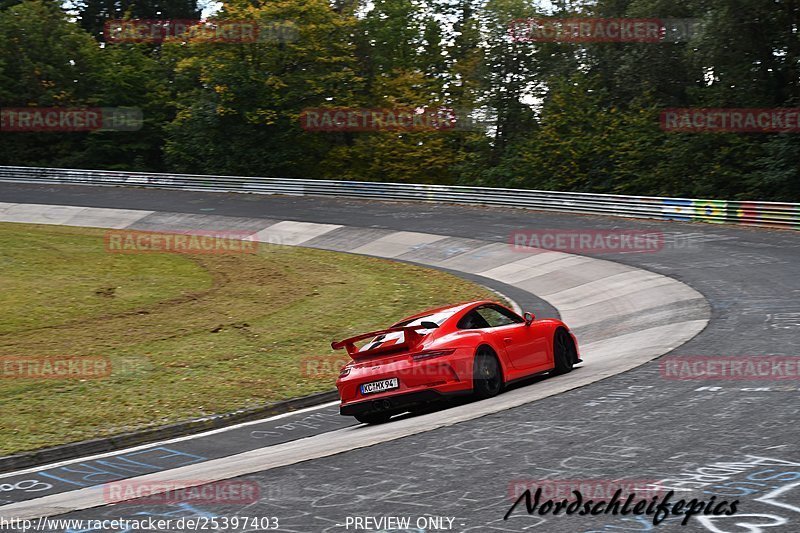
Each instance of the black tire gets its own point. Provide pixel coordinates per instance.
(373, 418)
(487, 376)
(563, 352)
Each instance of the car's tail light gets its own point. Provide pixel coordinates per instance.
(345, 371)
(430, 354)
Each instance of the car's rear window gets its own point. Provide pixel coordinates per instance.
(437, 318)
(391, 338)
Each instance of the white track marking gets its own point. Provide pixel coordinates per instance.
(163, 442)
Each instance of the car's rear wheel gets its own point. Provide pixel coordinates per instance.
(373, 418)
(563, 352)
(487, 377)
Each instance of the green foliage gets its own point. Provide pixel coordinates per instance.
(45, 60)
(239, 104)
(561, 116)
(93, 14)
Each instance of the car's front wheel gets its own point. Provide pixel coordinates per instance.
(373, 418)
(487, 377)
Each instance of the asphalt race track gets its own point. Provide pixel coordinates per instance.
(733, 439)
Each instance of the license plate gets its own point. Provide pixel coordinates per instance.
(379, 386)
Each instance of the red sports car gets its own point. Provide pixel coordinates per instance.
(470, 348)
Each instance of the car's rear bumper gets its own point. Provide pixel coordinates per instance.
(419, 381)
(396, 403)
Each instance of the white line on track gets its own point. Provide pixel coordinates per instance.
(169, 441)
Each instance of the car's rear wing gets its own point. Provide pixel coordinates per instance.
(410, 338)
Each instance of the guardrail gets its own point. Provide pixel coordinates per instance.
(770, 214)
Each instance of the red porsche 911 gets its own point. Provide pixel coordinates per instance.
(471, 348)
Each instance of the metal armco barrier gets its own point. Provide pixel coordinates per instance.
(770, 214)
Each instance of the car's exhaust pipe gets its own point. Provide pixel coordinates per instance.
(382, 405)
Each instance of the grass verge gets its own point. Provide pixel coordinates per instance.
(186, 335)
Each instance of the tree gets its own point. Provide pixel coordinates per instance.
(45, 61)
(93, 14)
(239, 103)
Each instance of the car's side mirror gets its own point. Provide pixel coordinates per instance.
(529, 317)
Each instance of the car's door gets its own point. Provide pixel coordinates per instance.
(526, 350)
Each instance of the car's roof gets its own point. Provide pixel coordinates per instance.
(455, 308)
